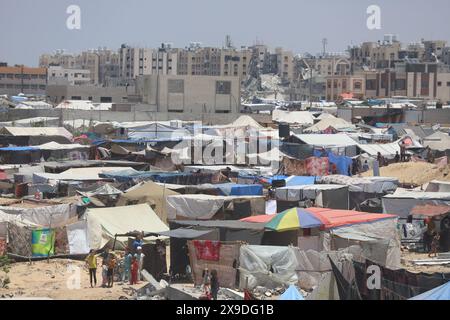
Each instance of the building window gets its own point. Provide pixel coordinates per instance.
(371, 84)
(105, 99)
(400, 84)
(357, 85)
(439, 83)
(223, 87)
(75, 98)
(448, 84)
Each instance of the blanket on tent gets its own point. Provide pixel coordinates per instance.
(207, 249)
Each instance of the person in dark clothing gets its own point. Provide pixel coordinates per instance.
(397, 157)
(214, 284)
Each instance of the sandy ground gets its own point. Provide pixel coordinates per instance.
(44, 279)
(407, 264)
(417, 173)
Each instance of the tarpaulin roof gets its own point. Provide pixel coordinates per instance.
(230, 224)
(19, 149)
(149, 192)
(294, 117)
(335, 218)
(326, 140)
(184, 233)
(331, 121)
(291, 293)
(330, 218)
(58, 146)
(105, 223)
(440, 293)
(430, 210)
(38, 131)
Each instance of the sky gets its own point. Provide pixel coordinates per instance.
(29, 28)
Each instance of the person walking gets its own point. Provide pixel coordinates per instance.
(214, 284)
(91, 261)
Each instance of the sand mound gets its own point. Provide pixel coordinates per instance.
(414, 172)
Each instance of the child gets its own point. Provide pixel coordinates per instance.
(91, 261)
(110, 272)
(104, 273)
(126, 265)
(134, 271)
(214, 284)
(434, 245)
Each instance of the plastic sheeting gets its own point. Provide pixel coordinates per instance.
(77, 235)
(366, 184)
(49, 216)
(194, 206)
(105, 223)
(402, 202)
(268, 266)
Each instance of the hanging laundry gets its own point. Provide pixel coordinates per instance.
(317, 166)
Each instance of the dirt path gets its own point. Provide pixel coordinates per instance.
(55, 280)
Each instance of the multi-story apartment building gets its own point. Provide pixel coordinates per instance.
(21, 79)
(60, 75)
(446, 55)
(134, 62)
(434, 50)
(102, 63)
(285, 64)
(429, 81)
(376, 55)
(60, 58)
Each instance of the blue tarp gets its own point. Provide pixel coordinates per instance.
(234, 189)
(439, 293)
(19, 149)
(290, 180)
(291, 293)
(342, 162)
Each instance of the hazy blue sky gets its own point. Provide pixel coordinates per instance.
(31, 27)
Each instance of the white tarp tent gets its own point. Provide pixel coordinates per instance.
(293, 117)
(268, 266)
(402, 201)
(105, 223)
(327, 140)
(331, 121)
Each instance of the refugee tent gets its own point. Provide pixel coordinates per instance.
(246, 121)
(330, 122)
(77, 235)
(268, 266)
(148, 192)
(291, 293)
(437, 141)
(325, 195)
(362, 188)
(37, 131)
(45, 216)
(293, 117)
(403, 201)
(54, 146)
(387, 150)
(200, 206)
(105, 223)
(225, 189)
(438, 186)
(326, 140)
(77, 174)
(440, 293)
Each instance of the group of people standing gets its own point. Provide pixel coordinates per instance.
(132, 265)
